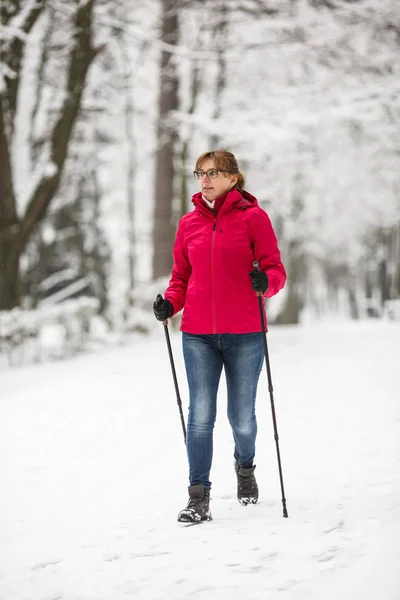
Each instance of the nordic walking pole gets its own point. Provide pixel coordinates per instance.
(171, 359)
(271, 392)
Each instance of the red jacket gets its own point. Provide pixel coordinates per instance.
(213, 255)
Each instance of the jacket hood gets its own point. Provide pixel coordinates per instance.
(235, 199)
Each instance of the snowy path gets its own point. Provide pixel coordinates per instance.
(93, 472)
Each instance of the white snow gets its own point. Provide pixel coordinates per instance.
(93, 471)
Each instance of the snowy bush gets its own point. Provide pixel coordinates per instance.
(391, 310)
(49, 331)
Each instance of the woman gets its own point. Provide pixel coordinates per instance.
(212, 278)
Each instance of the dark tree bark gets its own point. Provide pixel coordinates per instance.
(15, 231)
(164, 229)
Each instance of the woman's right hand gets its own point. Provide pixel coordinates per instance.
(163, 309)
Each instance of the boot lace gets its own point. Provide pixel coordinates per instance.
(198, 506)
(195, 503)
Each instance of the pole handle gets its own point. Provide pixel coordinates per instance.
(256, 267)
(159, 301)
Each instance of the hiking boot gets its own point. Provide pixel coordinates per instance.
(198, 508)
(247, 488)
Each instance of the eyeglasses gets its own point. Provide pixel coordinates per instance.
(211, 174)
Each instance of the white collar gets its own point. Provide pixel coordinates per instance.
(210, 204)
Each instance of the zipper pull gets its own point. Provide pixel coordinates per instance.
(214, 226)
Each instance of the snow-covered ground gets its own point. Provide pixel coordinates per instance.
(93, 473)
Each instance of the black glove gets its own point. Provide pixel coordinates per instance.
(163, 309)
(259, 281)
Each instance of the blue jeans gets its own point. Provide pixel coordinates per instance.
(242, 357)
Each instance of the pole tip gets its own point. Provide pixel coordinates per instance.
(256, 265)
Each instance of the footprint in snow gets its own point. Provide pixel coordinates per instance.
(111, 558)
(338, 527)
(328, 555)
(44, 565)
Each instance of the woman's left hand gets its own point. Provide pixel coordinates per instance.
(259, 281)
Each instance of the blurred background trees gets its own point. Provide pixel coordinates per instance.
(104, 107)
(65, 56)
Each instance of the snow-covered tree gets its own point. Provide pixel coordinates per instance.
(27, 193)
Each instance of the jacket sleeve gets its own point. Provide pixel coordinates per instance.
(181, 271)
(266, 251)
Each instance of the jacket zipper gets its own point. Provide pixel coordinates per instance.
(214, 325)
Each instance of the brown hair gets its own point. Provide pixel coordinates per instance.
(225, 161)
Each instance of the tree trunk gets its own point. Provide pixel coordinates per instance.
(10, 284)
(384, 281)
(296, 272)
(296, 266)
(353, 304)
(164, 230)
